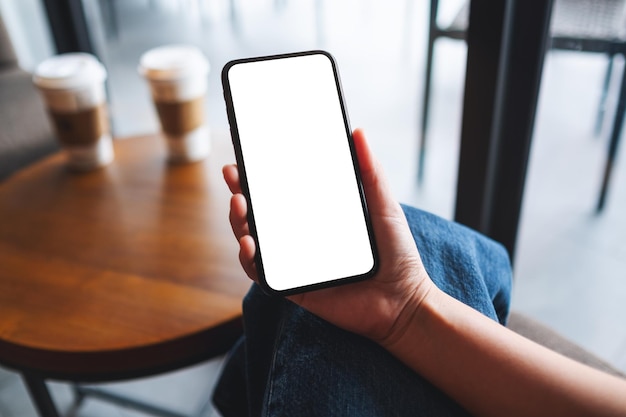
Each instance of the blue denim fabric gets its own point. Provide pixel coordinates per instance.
(465, 264)
(292, 363)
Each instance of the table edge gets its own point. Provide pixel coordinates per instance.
(121, 364)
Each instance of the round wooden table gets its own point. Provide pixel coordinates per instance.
(123, 272)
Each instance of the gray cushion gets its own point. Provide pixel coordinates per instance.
(537, 332)
(25, 132)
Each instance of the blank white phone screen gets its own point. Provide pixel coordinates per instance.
(310, 223)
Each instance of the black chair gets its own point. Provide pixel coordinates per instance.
(596, 26)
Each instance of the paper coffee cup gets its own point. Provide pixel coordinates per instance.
(72, 86)
(177, 75)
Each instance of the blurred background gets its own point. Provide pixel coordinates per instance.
(570, 263)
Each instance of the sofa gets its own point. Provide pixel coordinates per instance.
(25, 133)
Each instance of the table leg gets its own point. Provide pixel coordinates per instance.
(40, 395)
(616, 134)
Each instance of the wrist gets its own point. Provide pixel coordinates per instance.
(408, 324)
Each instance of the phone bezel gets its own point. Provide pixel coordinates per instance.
(232, 119)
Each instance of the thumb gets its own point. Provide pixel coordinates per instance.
(380, 200)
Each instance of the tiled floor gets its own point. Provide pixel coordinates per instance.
(570, 264)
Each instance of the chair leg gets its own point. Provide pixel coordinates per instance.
(614, 143)
(425, 108)
(40, 395)
(605, 89)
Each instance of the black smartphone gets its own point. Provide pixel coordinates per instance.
(299, 172)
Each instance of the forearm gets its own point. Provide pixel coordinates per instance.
(492, 371)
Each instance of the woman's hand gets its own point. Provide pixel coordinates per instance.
(380, 307)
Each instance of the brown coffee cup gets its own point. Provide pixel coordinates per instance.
(72, 86)
(177, 75)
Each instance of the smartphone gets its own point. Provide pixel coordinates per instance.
(299, 172)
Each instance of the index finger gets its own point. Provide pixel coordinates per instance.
(231, 176)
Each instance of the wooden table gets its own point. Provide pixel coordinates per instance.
(119, 273)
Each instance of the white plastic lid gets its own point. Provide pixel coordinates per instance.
(172, 62)
(69, 71)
